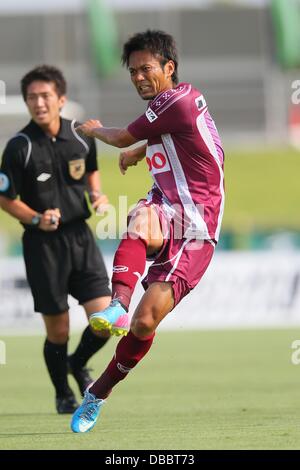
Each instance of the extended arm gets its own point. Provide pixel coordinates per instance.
(114, 136)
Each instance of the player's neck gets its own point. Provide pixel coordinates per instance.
(169, 86)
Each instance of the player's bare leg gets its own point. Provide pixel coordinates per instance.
(155, 304)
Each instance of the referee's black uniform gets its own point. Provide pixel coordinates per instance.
(50, 173)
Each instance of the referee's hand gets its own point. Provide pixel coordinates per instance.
(50, 220)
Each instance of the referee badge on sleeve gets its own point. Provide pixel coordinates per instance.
(4, 182)
(77, 168)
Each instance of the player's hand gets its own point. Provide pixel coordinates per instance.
(50, 220)
(100, 204)
(126, 159)
(88, 127)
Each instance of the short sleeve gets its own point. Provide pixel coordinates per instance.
(12, 169)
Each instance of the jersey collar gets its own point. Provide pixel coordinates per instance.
(65, 132)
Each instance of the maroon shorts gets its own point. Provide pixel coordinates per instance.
(180, 261)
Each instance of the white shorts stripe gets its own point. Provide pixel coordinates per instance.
(177, 259)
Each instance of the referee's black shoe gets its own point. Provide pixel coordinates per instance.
(66, 404)
(80, 374)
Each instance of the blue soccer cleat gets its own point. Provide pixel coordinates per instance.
(85, 417)
(114, 318)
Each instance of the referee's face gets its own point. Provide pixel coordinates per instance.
(43, 103)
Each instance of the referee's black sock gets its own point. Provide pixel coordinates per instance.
(88, 346)
(56, 360)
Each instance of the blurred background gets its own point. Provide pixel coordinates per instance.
(244, 55)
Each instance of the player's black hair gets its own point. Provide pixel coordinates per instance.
(158, 43)
(44, 73)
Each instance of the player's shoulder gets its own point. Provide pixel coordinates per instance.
(177, 96)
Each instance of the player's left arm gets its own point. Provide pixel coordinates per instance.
(131, 157)
(117, 137)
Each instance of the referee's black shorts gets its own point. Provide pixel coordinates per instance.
(64, 262)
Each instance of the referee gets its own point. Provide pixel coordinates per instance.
(46, 171)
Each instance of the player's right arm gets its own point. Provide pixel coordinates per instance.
(117, 137)
(131, 157)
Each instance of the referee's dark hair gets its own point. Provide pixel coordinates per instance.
(158, 43)
(44, 73)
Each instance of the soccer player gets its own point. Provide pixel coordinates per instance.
(177, 225)
(51, 168)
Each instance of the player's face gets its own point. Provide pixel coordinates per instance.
(43, 102)
(148, 75)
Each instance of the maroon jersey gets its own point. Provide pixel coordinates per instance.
(185, 157)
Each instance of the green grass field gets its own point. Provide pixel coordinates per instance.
(262, 189)
(195, 390)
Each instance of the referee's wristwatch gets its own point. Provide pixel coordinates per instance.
(35, 221)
